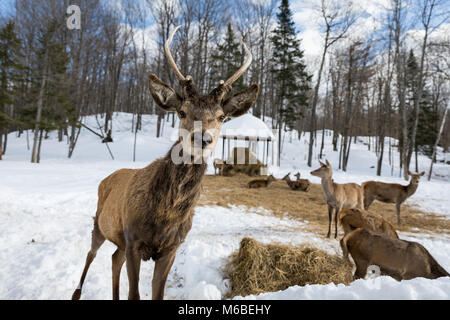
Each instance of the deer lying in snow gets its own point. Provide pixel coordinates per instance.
(400, 259)
(390, 192)
(337, 196)
(148, 212)
(354, 218)
(218, 165)
(298, 184)
(261, 183)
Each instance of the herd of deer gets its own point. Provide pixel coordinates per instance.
(148, 212)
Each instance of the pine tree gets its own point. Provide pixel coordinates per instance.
(227, 59)
(54, 108)
(292, 80)
(10, 54)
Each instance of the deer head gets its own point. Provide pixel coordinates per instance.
(415, 178)
(201, 116)
(324, 171)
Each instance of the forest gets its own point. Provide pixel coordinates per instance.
(380, 71)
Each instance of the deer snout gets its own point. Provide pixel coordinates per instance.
(203, 139)
(207, 140)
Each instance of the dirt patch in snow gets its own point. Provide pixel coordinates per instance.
(308, 206)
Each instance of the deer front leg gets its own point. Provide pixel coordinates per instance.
(337, 210)
(330, 214)
(133, 259)
(118, 258)
(162, 268)
(397, 207)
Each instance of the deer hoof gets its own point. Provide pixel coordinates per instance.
(76, 295)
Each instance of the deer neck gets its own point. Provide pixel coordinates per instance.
(411, 189)
(328, 188)
(178, 184)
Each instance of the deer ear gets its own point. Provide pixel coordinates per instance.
(328, 163)
(322, 164)
(165, 97)
(239, 104)
(422, 173)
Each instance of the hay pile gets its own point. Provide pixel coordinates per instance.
(258, 268)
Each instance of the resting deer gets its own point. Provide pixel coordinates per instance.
(295, 184)
(304, 183)
(390, 192)
(400, 259)
(148, 212)
(261, 183)
(218, 165)
(354, 218)
(337, 196)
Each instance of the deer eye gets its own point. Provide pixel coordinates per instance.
(222, 118)
(182, 114)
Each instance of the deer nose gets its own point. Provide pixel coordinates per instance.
(207, 140)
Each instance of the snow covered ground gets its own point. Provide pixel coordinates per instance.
(46, 214)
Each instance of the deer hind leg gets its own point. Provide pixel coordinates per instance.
(330, 215)
(162, 268)
(118, 258)
(97, 240)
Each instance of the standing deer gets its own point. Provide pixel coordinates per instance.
(390, 192)
(148, 212)
(218, 166)
(400, 259)
(337, 196)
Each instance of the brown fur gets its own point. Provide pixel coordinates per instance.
(390, 192)
(148, 212)
(299, 184)
(397, 258)
(354, 218)
(337, 196)
(261, 183)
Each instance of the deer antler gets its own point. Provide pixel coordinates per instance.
(170, 58)
(244, 67)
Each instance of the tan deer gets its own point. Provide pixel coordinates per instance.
(304, 183)
(390, 192)
(337, 196)
(148, 212)
(354, 218)
(218, 166)
(400, 259)
(261, 183)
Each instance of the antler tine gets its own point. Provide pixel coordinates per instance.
(244, 67)
(169, 55)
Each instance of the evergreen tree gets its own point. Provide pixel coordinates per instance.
(290, 76)
(51, 90)
(227, 59)
(10, 54)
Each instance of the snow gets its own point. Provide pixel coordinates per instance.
(46, 215)
(247, 126)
